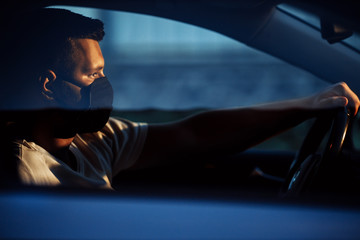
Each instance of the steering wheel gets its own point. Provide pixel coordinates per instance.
(309, 167)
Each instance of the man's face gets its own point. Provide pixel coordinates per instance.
(87, 65)
(71, 92)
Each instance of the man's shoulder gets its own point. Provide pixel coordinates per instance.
(124, 124)
(117, 126)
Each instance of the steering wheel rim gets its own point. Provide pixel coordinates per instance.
(308, 166)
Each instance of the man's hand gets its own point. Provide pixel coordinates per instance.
(338, 95)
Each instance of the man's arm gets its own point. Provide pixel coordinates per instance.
(236, 129)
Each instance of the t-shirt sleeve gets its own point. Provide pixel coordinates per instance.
(127, 141)
(114, 148)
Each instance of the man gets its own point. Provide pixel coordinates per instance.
(68, 138)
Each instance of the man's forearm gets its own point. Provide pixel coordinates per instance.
(240, 128)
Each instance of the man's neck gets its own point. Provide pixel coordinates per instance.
(42, 135)
(65, 155)
(54, 145)
(59, 148)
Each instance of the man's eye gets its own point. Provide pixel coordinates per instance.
(94, 75)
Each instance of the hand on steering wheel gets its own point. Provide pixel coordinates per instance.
(310, 168)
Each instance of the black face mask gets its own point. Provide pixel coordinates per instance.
(84, 111)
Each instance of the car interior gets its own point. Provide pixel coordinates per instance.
(299, 47)
(284, 31)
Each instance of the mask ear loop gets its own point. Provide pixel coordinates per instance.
(71, 91)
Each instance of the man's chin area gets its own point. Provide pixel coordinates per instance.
(70, 123)
(65, 134)
(65, 137)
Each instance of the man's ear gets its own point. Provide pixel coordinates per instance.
(46, 83)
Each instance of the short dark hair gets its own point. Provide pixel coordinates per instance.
(42, 39)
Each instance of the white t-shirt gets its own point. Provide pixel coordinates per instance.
(99, 157)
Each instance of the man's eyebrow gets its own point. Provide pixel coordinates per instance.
(94, 69)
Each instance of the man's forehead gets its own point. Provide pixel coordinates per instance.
(85, 43)
(89, 54)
